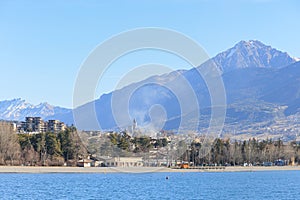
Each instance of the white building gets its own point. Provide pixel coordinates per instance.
(121, 161)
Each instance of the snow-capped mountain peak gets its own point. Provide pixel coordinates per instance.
(252, 53)
(296, 59)
(18, 109)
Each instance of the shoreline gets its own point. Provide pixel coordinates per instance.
(39, 170)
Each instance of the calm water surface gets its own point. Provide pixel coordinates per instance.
(236, 185)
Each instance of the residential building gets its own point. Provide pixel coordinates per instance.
(55, 126)
(37, 125)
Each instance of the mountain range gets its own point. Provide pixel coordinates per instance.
(261, 85)
(18, 109)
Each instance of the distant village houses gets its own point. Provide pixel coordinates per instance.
(37, 125)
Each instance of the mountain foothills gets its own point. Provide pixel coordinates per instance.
(261, 86)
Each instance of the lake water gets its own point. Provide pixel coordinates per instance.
(226, 185)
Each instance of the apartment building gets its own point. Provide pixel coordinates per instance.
(55, 126)
(37, 125)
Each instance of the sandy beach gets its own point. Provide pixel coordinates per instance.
(22, 169)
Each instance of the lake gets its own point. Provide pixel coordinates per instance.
(224, 185)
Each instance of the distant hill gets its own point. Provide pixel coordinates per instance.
(262, 84)
(252, 73)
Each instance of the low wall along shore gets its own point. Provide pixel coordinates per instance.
(21, 169)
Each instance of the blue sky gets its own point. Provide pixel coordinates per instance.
(43, 43)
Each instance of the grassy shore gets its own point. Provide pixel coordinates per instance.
(21, 169)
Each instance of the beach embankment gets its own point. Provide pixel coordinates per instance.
(23, 169)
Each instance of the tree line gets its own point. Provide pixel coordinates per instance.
(43, 149)
(216, 151)
(122, 144)
(252, 151)
(51, 149)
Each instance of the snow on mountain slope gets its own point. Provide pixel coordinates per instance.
(252, 53)
(18, 109)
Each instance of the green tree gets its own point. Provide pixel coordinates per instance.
(52, 145)
(142, 144)
(71, 144)
(27, 151)
(67, 144)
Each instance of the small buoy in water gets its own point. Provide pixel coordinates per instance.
(167, 177)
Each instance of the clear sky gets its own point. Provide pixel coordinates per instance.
(43, 43)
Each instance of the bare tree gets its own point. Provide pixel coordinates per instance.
(9, 145)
